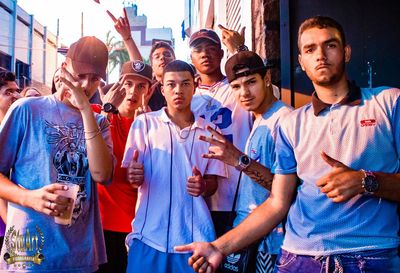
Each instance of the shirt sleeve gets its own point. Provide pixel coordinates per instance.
(136, 140)
(285, 161)
(12, 132)
(396, 124)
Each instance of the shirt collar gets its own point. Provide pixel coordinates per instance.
(352, 98)
(198, 121)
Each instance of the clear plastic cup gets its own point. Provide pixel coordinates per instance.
(72, 192)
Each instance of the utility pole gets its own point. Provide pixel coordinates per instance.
(82, 24)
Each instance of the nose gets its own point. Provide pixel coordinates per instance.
(86, 82)
(320, 53)
(178, 89)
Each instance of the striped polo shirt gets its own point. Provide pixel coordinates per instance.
(362, 131)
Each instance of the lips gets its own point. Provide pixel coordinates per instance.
(322, 66)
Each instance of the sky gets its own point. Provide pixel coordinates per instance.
(160, 13)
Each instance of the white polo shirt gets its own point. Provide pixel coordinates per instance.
(166, 214)
(363, 132)
(217, 104)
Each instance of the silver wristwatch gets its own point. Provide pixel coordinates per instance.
(243, 162)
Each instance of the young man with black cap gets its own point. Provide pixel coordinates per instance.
(344, 214)
(253, 90)
(215, 101)
(163, 156)
(118, 200)
(46, 142)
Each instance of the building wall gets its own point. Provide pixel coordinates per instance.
(35, 51)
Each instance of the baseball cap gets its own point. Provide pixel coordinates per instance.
(205, 33)
(89, 55)
(137, 68)
(242, 64)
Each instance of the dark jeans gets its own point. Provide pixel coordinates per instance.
(373, 261)
(117, 255)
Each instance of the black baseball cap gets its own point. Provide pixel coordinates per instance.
(242, 64)
(205, 34)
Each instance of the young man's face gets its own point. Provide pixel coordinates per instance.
(252, 92)
(323, 56)
(135, 88)
(159, 59)
(89, 82)
(178, 89)
(8, 95)
(206, 57)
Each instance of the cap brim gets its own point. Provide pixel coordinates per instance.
(197, 40)
(85, 68)
(136, 75)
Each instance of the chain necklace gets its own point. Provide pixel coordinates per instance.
(179, 132)
(213, 90)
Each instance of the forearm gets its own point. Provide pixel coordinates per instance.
(3, 210)
(259, 174)
(99, 156)
(10, 192)
(389, 186)
(260, 222)
(133, 51)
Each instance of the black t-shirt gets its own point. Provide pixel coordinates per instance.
(157, 100)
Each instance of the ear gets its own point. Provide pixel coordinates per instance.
(221, 52)
(347, 53)
(162, 89)
(267, 78)
(300, 62)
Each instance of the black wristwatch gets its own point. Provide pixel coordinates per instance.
(370, 183)
(243, 162)
(242, 48)
(109, 108)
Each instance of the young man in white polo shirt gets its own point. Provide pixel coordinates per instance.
(344, 146)
(163, 153)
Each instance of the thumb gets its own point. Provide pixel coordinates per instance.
(331, 161)
(242, 31)
(183, 248)
(196, 171)
(135, 156)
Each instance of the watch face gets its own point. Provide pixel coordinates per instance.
(245, 160)
(109, 108)
(370, 183)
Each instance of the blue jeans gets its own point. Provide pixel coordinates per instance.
(372, 261)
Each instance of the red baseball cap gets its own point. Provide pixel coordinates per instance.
(89, 55)
(204, 33)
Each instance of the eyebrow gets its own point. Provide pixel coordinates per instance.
(325, 42)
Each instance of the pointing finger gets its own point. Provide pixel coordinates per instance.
(112, 16)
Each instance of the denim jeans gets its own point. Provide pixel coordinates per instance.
(372, 261)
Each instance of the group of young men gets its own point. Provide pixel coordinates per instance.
(331, 167)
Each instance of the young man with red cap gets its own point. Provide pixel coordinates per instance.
(215, 102)
(46, 142)
(118, 200)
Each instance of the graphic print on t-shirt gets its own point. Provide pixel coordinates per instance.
(70, 159)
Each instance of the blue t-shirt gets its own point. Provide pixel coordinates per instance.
(42, 141)
(261, 147)
(364, 135)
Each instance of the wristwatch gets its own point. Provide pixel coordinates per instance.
(369, 183)
(109, 108)
(243, 163)
(242, 48)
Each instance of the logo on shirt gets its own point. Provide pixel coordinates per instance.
(24, 247)
(368, 122)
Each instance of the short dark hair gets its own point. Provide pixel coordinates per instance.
(6, 76)
(321, 22)
(160, 44)
(178, 66)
